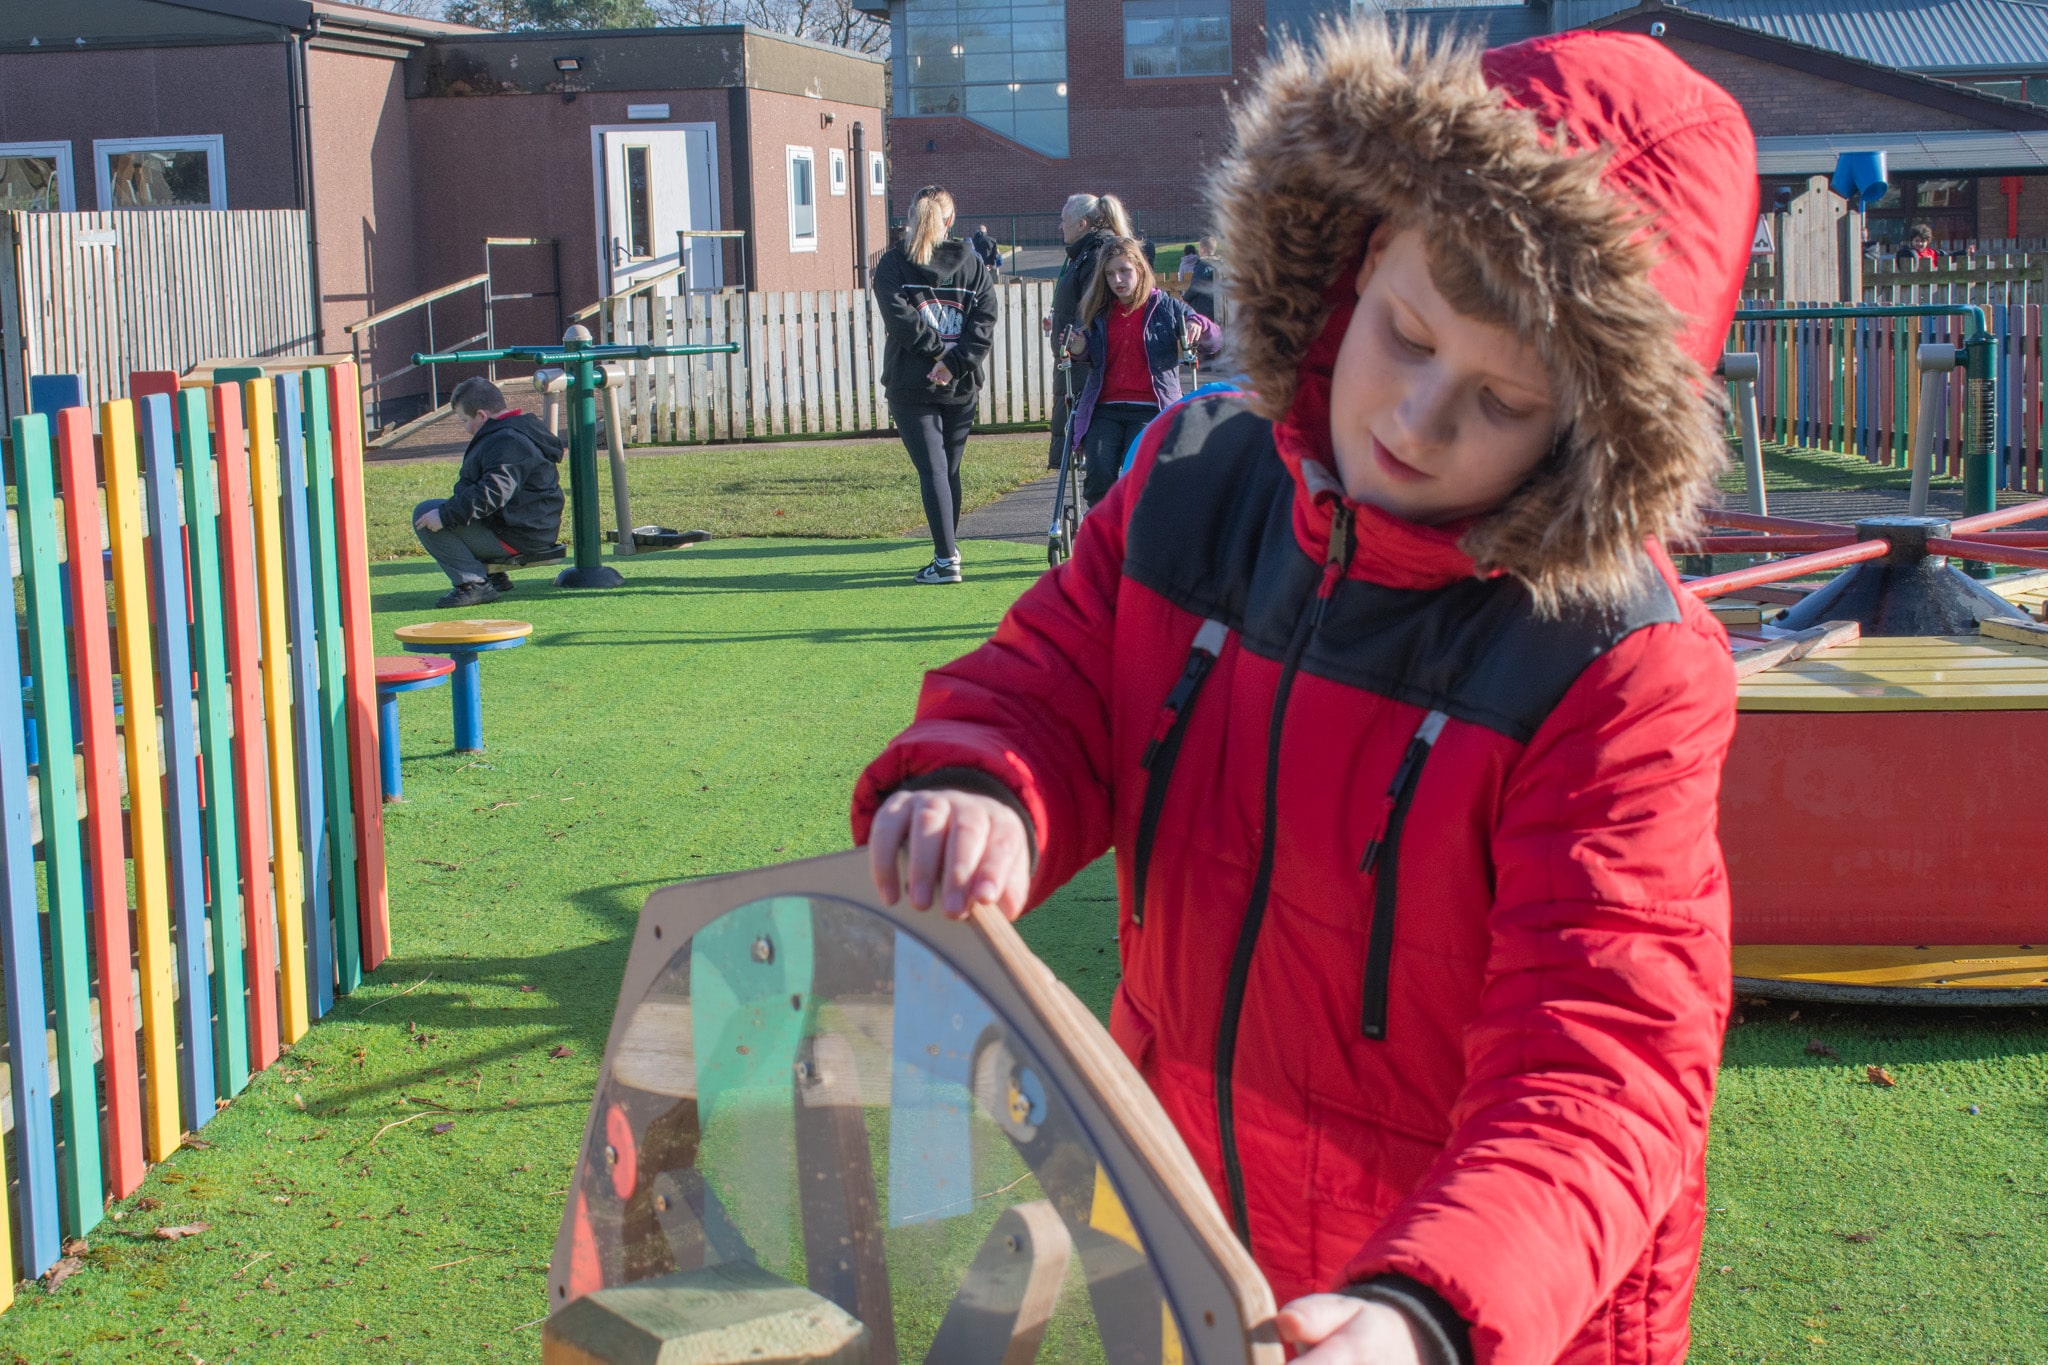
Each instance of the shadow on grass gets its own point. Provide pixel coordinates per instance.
(1777, 1035)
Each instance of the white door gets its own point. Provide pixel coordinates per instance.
(658, 181)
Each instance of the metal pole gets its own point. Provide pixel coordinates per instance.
(1934, 362)
(1741, 369)
(860, 211)
(1980, 426)
(589, 570)
(615, 447)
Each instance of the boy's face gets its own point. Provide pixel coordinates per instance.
(1434, 415)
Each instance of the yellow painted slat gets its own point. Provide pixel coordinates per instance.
(260, 413)
(1935, 967)
(1906, 673)
(158, 958)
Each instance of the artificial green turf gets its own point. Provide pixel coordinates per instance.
(840, 489)
(711, 716)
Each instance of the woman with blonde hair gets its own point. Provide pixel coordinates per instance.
(938, 305)
(1088, 223)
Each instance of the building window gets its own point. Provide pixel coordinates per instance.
(1945, 194)
(161, 173)
(639, 206)
(1002, 63)
(803, 199)
(878, 176)
(838, 164)
(1176, 38)
(35, 177)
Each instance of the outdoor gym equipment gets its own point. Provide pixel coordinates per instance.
(1066, 498)
(828, 1130)
(1889, 727)
(582, 364)
(463, 641)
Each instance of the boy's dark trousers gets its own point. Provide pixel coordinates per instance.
(465, 553)
(1111, 430)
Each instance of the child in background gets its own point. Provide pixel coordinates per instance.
(1382, 687)
(1133, 334)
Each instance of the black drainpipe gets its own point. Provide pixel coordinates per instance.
(860, 206)
(302, 166)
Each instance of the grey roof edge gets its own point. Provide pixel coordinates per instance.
(750, 31)
(1948, 149)
(2010, 113)
(293, 14)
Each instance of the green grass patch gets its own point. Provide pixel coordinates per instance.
(712, 716)
(852, 490)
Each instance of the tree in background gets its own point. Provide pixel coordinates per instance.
(824, 21)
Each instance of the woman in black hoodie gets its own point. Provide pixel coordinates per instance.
(938, 306)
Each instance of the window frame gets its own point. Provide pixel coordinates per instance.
(60, 152)
(213, 144)
(878, 175)
(836, 180)
(809, 156)
(1180, 45)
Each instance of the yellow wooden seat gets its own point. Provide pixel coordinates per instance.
(1906, 673)
(1881, 973)
(440, 635)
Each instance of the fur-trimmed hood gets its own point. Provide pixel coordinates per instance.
(1607, 192)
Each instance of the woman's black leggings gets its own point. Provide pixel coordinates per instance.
(936, 438)
(1111, 429)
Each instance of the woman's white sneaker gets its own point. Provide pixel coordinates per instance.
(940, 571)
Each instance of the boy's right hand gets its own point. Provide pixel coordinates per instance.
(955, 847)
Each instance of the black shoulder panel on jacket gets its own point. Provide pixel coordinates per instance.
(1213, 534)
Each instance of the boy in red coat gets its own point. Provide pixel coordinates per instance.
(1383, 689)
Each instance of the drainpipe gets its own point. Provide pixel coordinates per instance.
(859, 176)
(302, 164)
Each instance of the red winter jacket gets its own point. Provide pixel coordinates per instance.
(1424, 926)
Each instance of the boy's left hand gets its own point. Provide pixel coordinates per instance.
(1336, 1329)
(430, 520)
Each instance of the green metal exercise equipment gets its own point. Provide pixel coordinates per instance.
(584, 365)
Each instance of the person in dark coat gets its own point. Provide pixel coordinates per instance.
(938, 304)
(507, 499)
(1089, 223)
(1198, 276)
(986, 248)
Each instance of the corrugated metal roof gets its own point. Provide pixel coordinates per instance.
(1930, 36)
(1965, 149)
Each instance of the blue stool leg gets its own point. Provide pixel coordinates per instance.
(469, 702)
(387, 746)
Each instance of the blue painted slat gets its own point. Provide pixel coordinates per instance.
(55, 392)
(35, 1138)
(298, 579)
(181, 757)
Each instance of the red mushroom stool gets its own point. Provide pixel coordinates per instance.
(405, 673)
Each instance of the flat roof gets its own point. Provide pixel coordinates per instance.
(1947, 149)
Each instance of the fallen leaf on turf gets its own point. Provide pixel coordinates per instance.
(1877, 1075)
(528, 990)
(61, 1272)
(443, 1127)
(75, 1246)
(194, 1143)
(1857, 1236)
(1816, 1048)
(561, 1050)
(172, 1234)
(149, 1203)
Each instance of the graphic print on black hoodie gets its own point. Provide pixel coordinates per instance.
(943, 310)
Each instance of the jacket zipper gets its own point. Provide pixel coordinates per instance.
(1335, 562)
(1383, 854)
(1162, 752)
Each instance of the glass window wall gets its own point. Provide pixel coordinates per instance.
(1176, 38)
(1002, 63)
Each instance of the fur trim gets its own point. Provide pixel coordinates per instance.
(1374, 121)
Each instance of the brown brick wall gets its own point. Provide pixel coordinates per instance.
(783, 121)
(363, 194)
(1781, 101)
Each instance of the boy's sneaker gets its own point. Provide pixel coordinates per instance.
(468, 595)
(940, 571)
(501, 581)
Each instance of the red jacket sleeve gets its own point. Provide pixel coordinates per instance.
(1589, 1070)
(1031, 707)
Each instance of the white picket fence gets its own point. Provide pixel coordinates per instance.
(809, 363)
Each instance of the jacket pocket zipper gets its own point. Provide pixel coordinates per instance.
(1162, 752)
(1383, 855)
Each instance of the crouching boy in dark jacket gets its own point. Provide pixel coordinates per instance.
(507, 499)
(1382, 687)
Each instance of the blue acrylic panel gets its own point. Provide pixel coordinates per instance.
(937, 1019)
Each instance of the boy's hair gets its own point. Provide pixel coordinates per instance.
(1923, 234)
(1376, 124)
(476, 395)
(1099, 295)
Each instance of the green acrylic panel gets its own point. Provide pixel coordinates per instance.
(341, 831)
(78, 1119)
(216, 757)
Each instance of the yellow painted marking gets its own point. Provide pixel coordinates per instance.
(158, 958)
(260, 416)
(1107, 1214)
(463, 632)
(1935, 967)
(1911, 673)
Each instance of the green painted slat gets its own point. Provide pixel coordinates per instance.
(80, 1198)
(216, 734)
(341, 827)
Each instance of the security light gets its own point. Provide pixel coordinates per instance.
(568, 64)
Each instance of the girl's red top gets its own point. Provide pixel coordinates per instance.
(1129, 376)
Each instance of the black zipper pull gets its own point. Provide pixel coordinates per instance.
(1201, 656)
(1386, 844)
(1336, 560)
(1418, 749)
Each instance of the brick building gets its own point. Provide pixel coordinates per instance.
(1015, 105)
